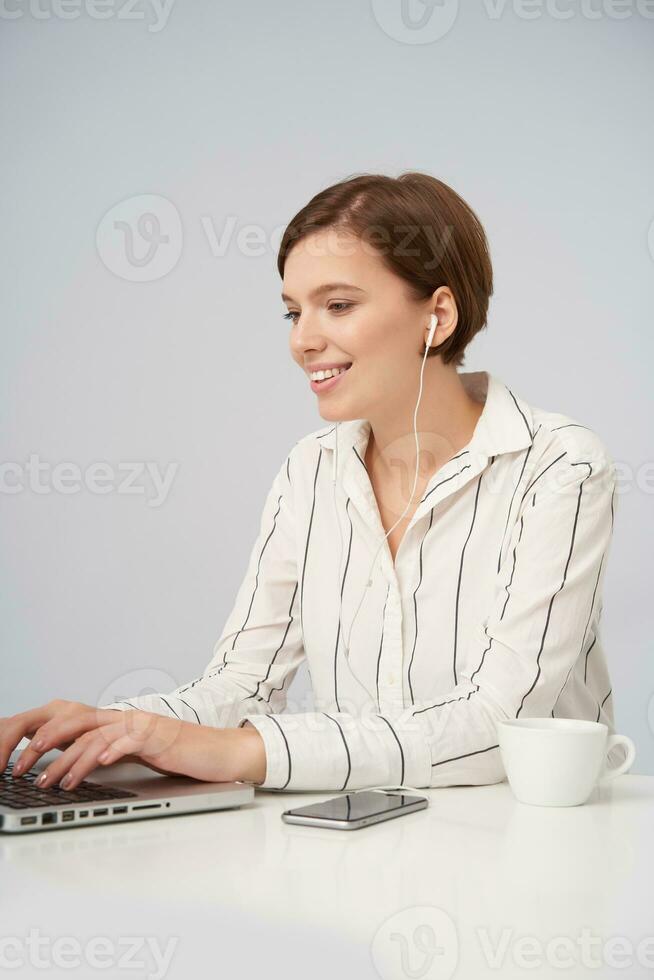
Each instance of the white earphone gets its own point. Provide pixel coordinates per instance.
(346, 645)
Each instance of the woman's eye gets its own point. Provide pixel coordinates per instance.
(334, 306)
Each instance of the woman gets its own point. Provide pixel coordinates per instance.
(432, 593)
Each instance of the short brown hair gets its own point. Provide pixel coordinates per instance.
(429, 236)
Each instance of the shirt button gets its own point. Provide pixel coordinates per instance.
(391, 678)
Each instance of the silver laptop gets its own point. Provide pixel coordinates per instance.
(123, 791)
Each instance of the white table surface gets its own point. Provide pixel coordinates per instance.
(240, 890)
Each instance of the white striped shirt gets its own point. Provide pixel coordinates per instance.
(490, 611)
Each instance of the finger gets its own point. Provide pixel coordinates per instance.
(93, 743)
(61, 765)
(59, 733)
(54, 734)
(19, 726)
(90, 758)
(124, 747)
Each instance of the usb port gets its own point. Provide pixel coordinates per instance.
(67, 815)
(120, 809)
(26, 820)
(84, 813)
(101, 813)
(49, 818)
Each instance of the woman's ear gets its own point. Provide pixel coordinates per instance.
(445, 309)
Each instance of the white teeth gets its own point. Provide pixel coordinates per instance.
(321, 375)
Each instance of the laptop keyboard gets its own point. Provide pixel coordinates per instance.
(20, 793)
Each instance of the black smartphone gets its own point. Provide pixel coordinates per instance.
(354, 810)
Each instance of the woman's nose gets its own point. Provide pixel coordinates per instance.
(306, 335)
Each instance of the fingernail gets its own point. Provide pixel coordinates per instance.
(38, 744)
(41, 779)
(103, 756)
(66, 781)
(18, 768)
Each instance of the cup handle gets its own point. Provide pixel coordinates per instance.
(609, 774)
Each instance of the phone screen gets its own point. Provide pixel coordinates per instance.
(352, 806)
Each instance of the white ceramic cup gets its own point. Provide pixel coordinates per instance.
(558, 761)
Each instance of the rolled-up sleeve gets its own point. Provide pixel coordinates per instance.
(261, 647)
(548, 584)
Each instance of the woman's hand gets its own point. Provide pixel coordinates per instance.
(52, 726)
(168, 745)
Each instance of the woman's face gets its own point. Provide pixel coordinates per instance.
(368, 321)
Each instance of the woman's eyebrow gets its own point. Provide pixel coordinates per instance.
(325, 288)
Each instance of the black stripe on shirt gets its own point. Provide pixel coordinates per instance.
(612, 496)
(347, 751)
(458, 586)
(273, 690)
(189, 706)
(415, 606)
(169, 705)
(531, 435)
(447, 479)
(565, 572)
(381, 641)
(359, 458)
(288, 751)
(255, 693)
(306, 548)
(515, 489)
(338, 630)
(543, 472)
(590, 613)
(254, 591)
(600, 706)
(134, 706)
(587, 652)
(465, 756)
(462, 697)
(508, 584)
(592, 604)
(399, 746)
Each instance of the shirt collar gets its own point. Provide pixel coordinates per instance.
(504, 426)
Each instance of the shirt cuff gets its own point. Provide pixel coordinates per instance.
(335, 751)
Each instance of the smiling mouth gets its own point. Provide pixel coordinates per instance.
(327, 382)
